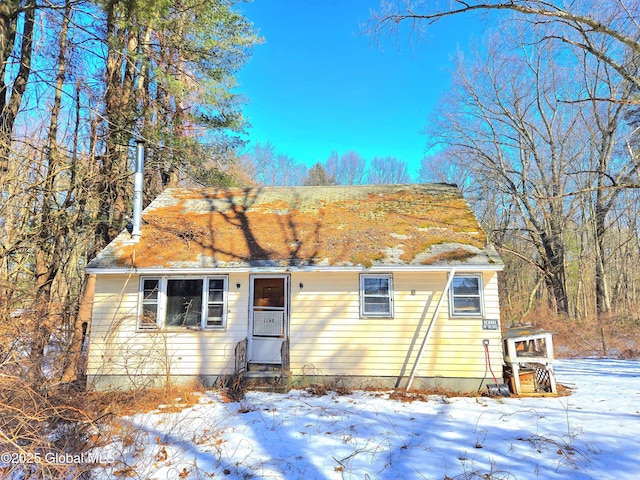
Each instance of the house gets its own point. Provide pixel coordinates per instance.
(384, 285)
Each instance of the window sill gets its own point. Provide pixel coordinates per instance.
(181, 330)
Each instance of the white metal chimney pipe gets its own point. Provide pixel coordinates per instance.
(138, 185)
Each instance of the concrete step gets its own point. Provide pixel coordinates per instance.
(270, 381)
(261, 376)
(264, 367)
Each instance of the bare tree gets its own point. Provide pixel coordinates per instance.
(17, 19)
(438, 167)
(388, 170)
(267, 167)
(608, 163)
(503, 122)
(348, 169)
(547, 163)
(582, 24)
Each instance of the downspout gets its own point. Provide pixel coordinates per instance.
(452, 272)
(138, 185)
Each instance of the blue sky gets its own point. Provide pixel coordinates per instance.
(319, 84)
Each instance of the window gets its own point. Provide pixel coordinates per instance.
(216, 302)
(376, 296)
(466, 295)
(149, 316)
(183, 303)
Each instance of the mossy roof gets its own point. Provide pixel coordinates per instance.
(426, 224)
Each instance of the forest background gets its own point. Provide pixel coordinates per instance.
(540, 130)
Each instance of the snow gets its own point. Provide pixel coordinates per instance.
(591, 434)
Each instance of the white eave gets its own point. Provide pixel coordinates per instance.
(475, 267)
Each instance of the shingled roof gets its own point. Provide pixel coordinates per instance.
(357, 226)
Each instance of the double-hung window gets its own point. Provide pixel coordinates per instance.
(376, 295)
(149, 309)
(216, 302)
(466, 295)
(196, 303)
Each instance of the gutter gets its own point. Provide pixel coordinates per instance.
(277, 269)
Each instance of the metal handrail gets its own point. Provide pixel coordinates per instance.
(241, 356)
(284, 359)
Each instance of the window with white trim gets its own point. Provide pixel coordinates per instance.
(216, 302)
(195, 303)
(376, 295)
(466, 295)
(149, 303)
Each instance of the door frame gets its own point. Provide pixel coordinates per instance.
(275, 343)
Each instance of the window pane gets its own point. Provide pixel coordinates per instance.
(216, 305)
(216, 292)
(149, 303)
(379, 305)
(376, 286)
(149, 315)
(184, 303)
(376, 295)
(466, 304)
(151, 289)
(268, 292)
(214, 315)
(466, 286)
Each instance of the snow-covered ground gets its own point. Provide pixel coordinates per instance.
(592, 434)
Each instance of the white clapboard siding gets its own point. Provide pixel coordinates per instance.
(117, 347)
(327, 334)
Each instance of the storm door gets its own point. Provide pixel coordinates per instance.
(269, 318)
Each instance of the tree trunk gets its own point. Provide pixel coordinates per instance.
(53, 221)
(74, 365)
(120, 75)
(9, 108)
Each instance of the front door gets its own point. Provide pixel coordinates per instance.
(269, 318)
